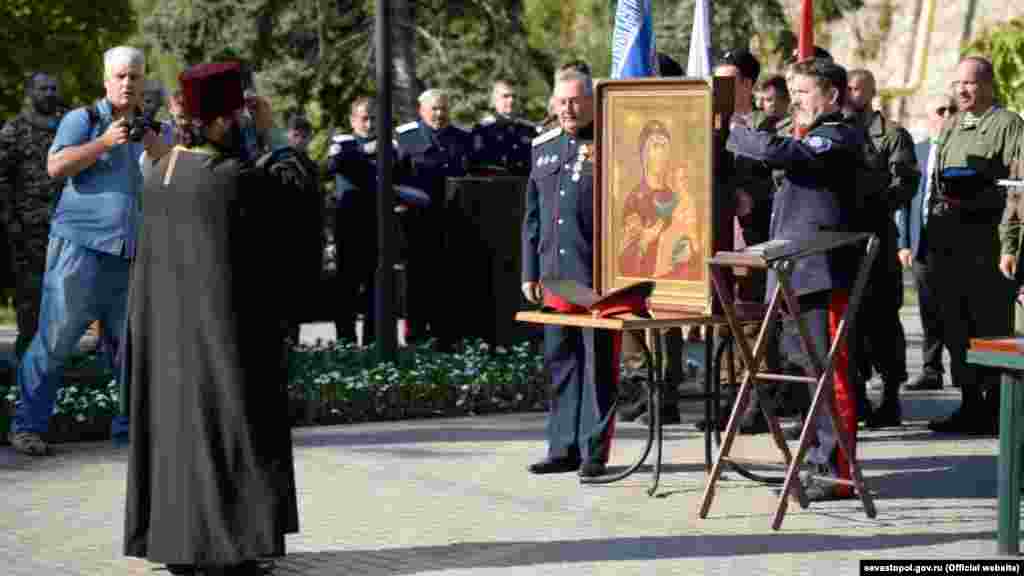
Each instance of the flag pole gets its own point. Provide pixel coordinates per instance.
(805, 44)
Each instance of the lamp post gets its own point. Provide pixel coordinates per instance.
(387, 345)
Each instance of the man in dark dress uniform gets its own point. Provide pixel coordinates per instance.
(28, 195)
(818, 180)
(501, 140)
(351, 159)
(558, 244)
(430, 151)
(880, 342)
(211, 481)
(963, 240)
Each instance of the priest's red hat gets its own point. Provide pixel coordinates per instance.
(212, 90)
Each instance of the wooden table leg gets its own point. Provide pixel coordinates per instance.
(753, 360)
(1011, 399)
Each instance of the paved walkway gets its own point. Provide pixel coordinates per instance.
(451, 497)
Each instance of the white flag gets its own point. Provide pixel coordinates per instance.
(699, 62)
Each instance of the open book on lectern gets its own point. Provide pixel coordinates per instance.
(786, 248)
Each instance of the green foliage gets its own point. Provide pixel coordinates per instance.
(1003, 44)
(311, 57)
(343, 383)
(733, 24)
(455, 45)
(346, 383)
(65, 39)
(314, 57)
(564, 31)
(736, 23)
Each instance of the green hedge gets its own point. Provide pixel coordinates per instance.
(339, 383)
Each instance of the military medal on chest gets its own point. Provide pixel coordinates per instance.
(585, 151)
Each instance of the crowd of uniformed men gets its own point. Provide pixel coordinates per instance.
(934, 205)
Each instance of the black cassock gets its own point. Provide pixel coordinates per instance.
(211, 477)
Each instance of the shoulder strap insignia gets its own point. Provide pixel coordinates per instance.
(406, 127)
(527, 123)
(489, 119)
(549, 135)
(341, 138)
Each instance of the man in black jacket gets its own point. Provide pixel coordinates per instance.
(879, 336)
(351, 160)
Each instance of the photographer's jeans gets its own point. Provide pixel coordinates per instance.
(79, 285)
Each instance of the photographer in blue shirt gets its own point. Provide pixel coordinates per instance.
(92, 239)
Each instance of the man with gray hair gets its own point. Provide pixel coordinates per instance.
(558, 235)
(92, 240)
(430, 150)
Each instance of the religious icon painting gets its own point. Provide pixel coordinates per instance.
(655, 213)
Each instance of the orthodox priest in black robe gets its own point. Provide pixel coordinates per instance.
(211, 482)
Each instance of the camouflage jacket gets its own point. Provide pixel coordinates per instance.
(27, 193)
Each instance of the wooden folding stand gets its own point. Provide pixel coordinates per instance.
(782, 258)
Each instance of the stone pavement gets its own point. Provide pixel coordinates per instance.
(452, 497)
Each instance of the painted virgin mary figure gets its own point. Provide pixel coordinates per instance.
(659, 222)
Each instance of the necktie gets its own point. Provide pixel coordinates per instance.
(929, 168)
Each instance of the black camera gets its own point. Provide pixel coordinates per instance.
(138, 126)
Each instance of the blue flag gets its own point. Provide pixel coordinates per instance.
(633, 52)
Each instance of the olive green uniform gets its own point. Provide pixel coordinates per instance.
(1010, 229)
(963, 248)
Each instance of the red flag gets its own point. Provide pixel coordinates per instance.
(805, 47)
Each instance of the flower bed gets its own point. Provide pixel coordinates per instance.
(336, 383)
(84, 405)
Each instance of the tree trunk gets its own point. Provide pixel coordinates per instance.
(407, 85)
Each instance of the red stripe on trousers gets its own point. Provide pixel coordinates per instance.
(844, 396)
